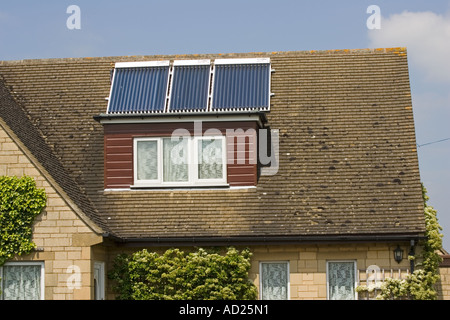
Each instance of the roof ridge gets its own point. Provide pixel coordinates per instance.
(398, 50)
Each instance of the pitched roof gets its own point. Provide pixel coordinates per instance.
(348, 160)
(16, 119)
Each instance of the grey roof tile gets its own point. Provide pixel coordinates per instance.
(348, 159)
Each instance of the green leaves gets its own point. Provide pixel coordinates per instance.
(434, 237)
(419, 285)
(20, 203)
(175, 274)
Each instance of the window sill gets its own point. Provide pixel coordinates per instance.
(171, 187)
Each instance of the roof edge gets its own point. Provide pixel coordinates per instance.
(91, 224)
(266, 240)
(397, 50)
(258, 116)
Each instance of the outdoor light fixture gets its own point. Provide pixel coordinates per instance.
(398, 254)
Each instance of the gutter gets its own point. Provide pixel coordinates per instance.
(260, 116)
(264, 240)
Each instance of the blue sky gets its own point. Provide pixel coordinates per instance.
(37, 29)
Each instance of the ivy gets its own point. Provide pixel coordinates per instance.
(20, 202)
(177, 275)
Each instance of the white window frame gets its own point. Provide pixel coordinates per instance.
(25, 263)
(355, 280)
(288, 277)
(100, 293)
(193, 180)
(159, 159)
(189, 159)
(197, 180)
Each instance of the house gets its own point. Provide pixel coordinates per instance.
(308, 158)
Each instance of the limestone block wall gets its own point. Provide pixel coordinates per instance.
(443, 285)
(63, 239)
(307, 264)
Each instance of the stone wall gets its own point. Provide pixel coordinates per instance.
(63, 239)
(307, 264)
(443, 285)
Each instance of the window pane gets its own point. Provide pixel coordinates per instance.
(274, 281)
(175, 160)
(210, 159)
(341, 280)
(147, 160)
(21, 282)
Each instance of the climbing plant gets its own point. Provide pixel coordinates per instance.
(20, 202)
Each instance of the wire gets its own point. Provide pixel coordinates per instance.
(432, 142)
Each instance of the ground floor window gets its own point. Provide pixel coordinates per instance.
(274, 280)
(341, 280)
(22, 281)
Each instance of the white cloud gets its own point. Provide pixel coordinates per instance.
(426, 36)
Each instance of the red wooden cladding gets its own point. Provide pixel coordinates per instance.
(241, 149)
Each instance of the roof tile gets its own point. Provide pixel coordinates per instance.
(348, 163)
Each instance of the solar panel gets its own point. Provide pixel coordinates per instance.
(241, 84)
(189, 89)
(139, 87)
(144, 87)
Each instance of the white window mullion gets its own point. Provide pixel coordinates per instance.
(160, 160)
(192, 161)
(195, 159)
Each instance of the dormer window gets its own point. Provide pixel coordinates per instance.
(150, 100)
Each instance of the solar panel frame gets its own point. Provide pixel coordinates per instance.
(189, 89)
(190, 86)
(141, 96)
(238, 83)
